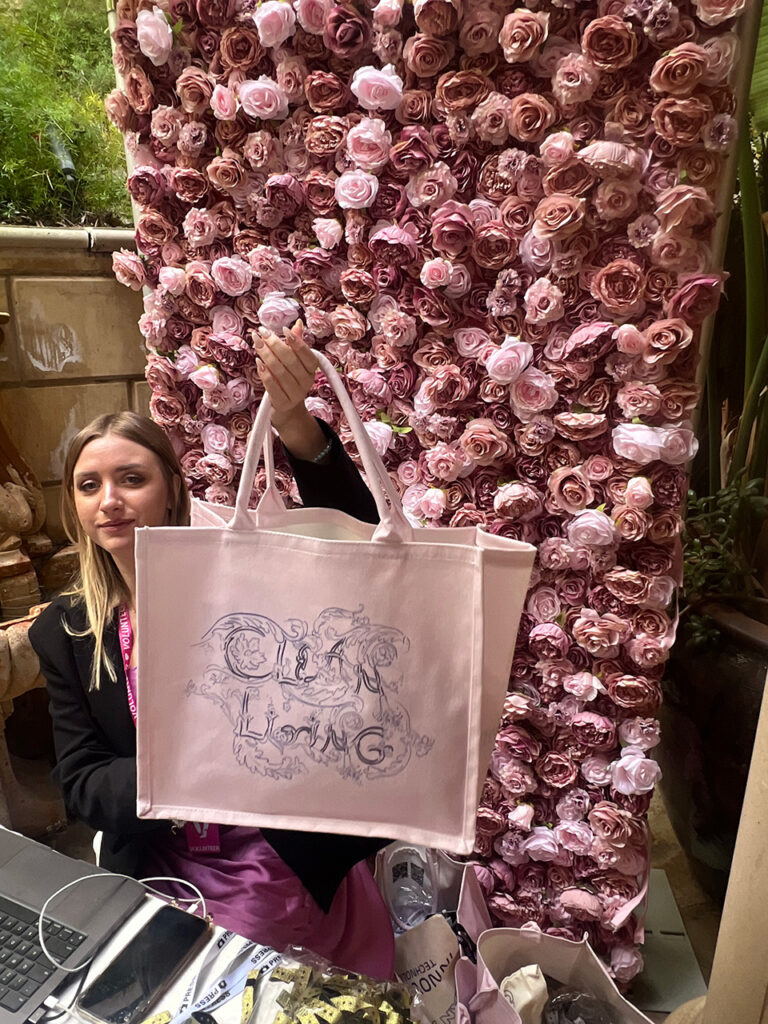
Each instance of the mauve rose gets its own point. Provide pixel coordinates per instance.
(278, 311)
(472, 342)
(634, 772)
(129, 269)
(479, 30)
(311, 15)
(262, 97)
(530, 117)
(377, 88)
(558, 215)
(557, 149)
(431, 186)
(482, 442)
(611, 159)
(541, 845)
(518, 501)
(119, 110)
(570, 490)
(154, 35)
(617, 200)
(641, 733)
(594, 731)
(194, 89)
(609, 43)
(600, 635)
(523, 34)
(437, 17)
(275, 22)
(543, 604)
(581, 904)
(557, 769)
(619, 286)
(681, 121)
(696, 298)
(680, 71)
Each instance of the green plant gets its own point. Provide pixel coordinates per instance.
(725, 549)
(55, 69)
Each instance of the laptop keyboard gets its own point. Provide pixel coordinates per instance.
(24, 967)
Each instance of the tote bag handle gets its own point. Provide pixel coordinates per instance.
(393, 526)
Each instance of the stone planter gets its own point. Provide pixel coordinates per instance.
(712, 701)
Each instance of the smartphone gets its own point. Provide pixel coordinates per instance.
(145, 968)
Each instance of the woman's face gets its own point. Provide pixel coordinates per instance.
(119, 485)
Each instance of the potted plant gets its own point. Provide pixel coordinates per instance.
(716, 674)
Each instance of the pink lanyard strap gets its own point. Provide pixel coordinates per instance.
(125, 633)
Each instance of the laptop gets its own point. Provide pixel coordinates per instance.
(76, 925)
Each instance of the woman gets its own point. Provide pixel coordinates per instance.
(274, 886)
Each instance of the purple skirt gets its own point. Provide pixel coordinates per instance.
(250, 890)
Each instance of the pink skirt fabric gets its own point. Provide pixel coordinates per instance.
(250, 890)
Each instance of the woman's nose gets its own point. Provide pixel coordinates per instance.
(110, 496)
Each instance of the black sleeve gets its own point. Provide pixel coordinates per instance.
(98, 785)
(335, 483)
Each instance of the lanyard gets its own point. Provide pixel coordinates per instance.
(125, 633)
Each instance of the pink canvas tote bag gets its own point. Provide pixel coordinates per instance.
(300, 669)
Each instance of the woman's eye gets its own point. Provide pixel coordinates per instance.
(87, 486)
(134, 480)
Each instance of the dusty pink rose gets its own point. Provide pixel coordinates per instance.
(311, 15)
(432, 186)
(583, 685)
(172, 279)
(436, 273)
(641, 733)
(223, 103)
(575, 80)
(368, 144)
(715, 12)
(154, 35)
(381, 434)
(544, 302)
(129, 270)
(483, 442)
(275, 22)
(530, 117)
(531, 393)
(626, 963)
(517, 501)
(680, 71)
(611, 159)
(558, 216)
(377, 88)
(619, 286)
(696, 298)
(523, 34)
(596, 770)
(600, 635)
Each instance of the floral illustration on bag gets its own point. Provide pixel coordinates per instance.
(325, 693)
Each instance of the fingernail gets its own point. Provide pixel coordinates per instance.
(258, 342)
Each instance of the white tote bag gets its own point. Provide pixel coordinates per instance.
(303, 670)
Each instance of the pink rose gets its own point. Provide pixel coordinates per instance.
(638, 493)
(612, 159)
(223, 103)
(355, 190)
(387, 13)
(543, 604)
(328, 231)
(377, 88)
(626, 961)
(483, 442)
(696, 298)
(576, 837)
(541, 845)
(521, 816)
(591, 528)
(436, 273)
(531, 393)
(368, 144)
(129, 270)
(381, 434)
(471, 342)
(278, 311)
(715, 12)
(432, 186)
(558, 215)
(445, 461)
(275, 22)
(557, 149)
(232, 275)
(262, 97)
(596, 770)
(433, 503)
(505, 364)
(172, 279)
(216, 439)
(634, 772)
(583, 685)
(205, 377)
(599, 635)
(311, 15)
(570, 489)
(154, 35)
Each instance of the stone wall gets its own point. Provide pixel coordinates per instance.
(71, 349)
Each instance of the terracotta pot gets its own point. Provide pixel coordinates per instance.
(712, 701)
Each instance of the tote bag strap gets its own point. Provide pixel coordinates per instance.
(393, 526)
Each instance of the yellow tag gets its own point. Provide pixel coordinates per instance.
(282, 1018)
(346, 1003)
(283, 974)
(158, 1018)
(306, 1016)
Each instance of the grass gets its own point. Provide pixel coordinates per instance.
(55, 69)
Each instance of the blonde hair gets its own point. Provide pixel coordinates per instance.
(99, 585)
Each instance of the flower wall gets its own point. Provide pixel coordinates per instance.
(497, 222)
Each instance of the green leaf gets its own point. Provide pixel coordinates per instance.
(758, 92)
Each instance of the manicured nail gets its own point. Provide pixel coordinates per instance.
(258, 342)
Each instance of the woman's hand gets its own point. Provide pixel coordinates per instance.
(287, 368)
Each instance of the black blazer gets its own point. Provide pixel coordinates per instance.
(95, 738)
